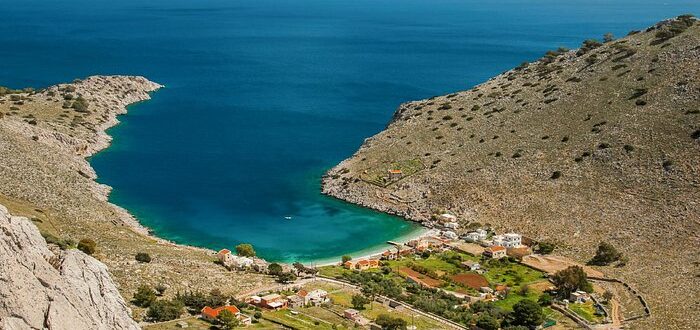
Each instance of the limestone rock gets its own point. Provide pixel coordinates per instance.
(42, 290)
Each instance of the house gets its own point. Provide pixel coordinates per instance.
(501, 289)
(450, 235)
(494, 252)
(260, 265)
(471, 265)
(295, 301)
(273, 301)
(349, 264)
(579, 297)
(477, 235)
(254, 300)
(223, 255)
(395, 174)
(446, 217)
(316, 297)
(211, 314)
(509, 240)
(389, 255)
(366, 264)
(351, 314)
(452, 225)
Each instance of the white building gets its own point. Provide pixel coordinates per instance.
(446, 217)
(452, 225)
(510, 240)
(450, 235)
(477, 235)
(316, 297)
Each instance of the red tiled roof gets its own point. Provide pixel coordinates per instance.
(395, 171)
(214, 312)
(302, 293)
(363, 262)
(224, 251)
(497, 248)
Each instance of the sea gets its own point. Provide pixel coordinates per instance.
(262, 97)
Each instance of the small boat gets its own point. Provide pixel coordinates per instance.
(288, 218)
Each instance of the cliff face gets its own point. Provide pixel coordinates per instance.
(598, 144)
(41, 289)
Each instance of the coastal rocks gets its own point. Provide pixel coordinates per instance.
(43, 290)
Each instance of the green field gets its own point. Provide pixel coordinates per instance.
(586, 311)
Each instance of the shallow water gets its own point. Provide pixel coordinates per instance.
(263, 96)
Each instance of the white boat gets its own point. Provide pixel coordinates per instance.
(288, 218)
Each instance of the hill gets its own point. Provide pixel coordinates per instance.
(596, 144)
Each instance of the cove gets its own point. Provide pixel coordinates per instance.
(263, 96)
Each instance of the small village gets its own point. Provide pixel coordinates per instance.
(475, 272)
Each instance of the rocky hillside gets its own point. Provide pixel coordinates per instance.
(45, 136)
(55, 290)
(596, 144)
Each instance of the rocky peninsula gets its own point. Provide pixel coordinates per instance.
(45, 137)
(582, 146)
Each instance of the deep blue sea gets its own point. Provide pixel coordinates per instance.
(263, 96)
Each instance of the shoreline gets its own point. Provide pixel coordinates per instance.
(373, 252)
(104, 141)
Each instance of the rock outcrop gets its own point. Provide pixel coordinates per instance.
(44, 290)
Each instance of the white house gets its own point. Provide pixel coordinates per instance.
(450, 235)
(446, 217)
(477, 235)
(510, 240)
(471, 265)
(316, 297)
(452, 225)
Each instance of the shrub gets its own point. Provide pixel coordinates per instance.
(527, 313)
(228, 320)
(487, 322)
(545, 247)
(555, 175)
(571, 279)
(143, 257)
(144, 296)
(628, 148)
(87, 245)
(245, 250)
(80, 104)
(274, 269)
(545, 299)
(389, 322)
(160, 289)
(605, 255)
(165, 310)
(359, 301)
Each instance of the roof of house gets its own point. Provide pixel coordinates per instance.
(395, 171)
(302, 293)
(351, 311)
(214, 312)
(363, 262)
(496, 248)
(224, 251)
(348, 264)
(271, 296)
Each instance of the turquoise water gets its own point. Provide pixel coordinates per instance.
(263, 96)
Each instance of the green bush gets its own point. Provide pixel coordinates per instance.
(87, 245)
(144, 296)
(143, 257)
(605, 255)
(165, 310)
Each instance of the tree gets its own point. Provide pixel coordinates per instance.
(286, 277)
(545, 247)
(87, 245)
(216, 298)
(527, 313)
(165, 310)
(359, 301)
(144, 296)
(274, 269)
(487, 322)
(228, 319)
(545, 299)
(257, 315)
(245, 250)
(571, 279)
(524, 290)
(607, 295)
(371, 290)
(605, 255)
(388, 322)
(143, 257)
(346, 259)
